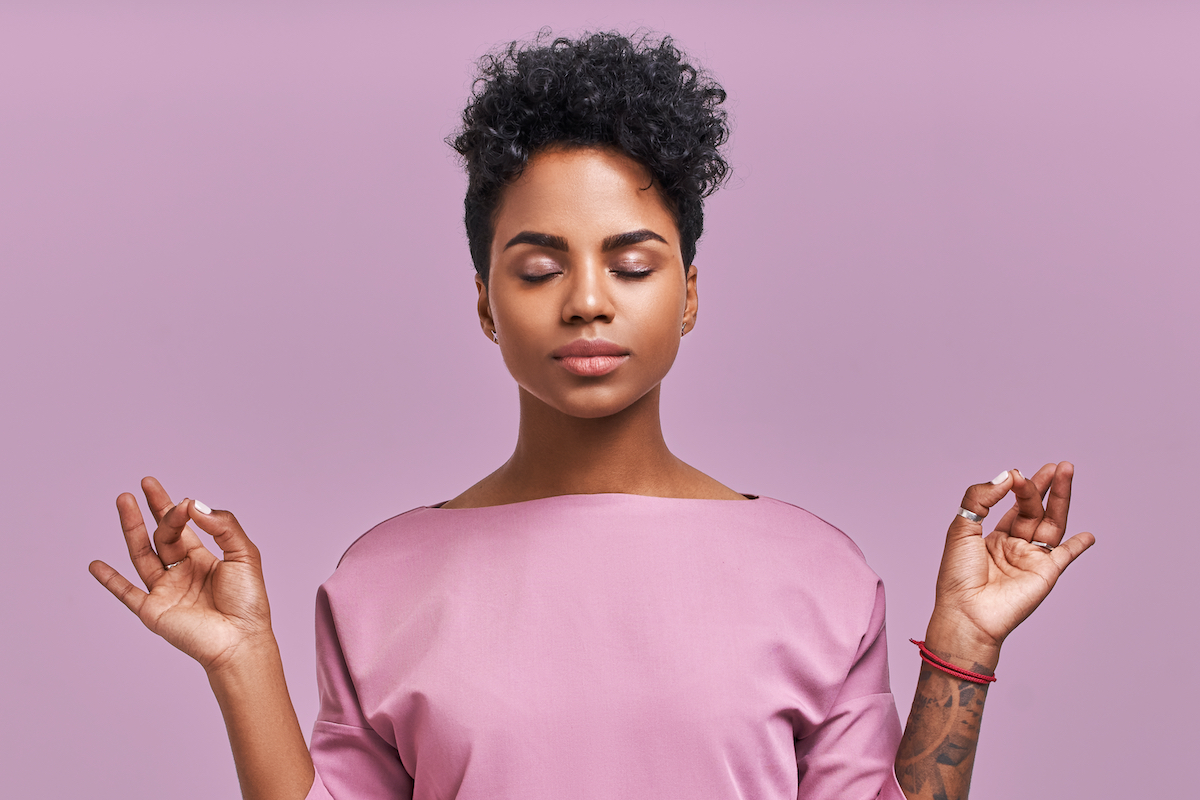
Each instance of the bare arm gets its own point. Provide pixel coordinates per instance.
(216, 611)
(937, 753)
(986, 587)
(268, 747)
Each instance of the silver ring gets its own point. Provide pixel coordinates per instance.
(1044, 545)
(971, 515)
(176, 564)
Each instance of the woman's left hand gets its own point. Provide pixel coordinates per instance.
(989, 585)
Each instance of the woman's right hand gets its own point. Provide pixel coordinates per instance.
(210, 608)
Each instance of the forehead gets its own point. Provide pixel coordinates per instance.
(593, 192)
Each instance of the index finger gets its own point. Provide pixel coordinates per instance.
(171, 526)
(1041, 479)
(161, 506)
(1029, 509)
(1059, 502)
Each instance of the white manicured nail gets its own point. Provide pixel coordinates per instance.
(1001, 478)
(203, 509)
(1019, 473)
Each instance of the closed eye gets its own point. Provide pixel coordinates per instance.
(542, 278)
(635, 273)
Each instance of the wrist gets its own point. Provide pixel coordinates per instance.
(246, 662)
(960, 642)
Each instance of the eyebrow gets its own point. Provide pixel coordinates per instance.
(633, 237)
(614, 242)
(538, 240)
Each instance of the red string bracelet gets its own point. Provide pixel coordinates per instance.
(945, 666)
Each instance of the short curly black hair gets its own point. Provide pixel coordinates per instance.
(638, 95)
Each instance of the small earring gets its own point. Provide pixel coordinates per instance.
(495, 336)
(683, 329)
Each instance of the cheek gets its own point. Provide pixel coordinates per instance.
(524, 331)
(658, 317)
(666, 343)
(657, 323)
(522, 321)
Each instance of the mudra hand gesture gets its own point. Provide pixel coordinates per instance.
(989, 585)
(208, 607)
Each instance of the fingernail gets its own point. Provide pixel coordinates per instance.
(203, 509)
(1001, 478)
(1019, 473)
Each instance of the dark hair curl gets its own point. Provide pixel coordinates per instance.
(637, 95)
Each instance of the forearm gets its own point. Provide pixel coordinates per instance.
(268, 746)
(937, 752)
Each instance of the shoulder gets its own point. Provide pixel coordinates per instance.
(763, 536)
(829, 569)
(384, 535)
(806, 562)
(812, 525)
(802, 526)
(759, 516)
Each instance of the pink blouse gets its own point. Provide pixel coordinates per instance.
(604, 646)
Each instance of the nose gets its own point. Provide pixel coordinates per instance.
(587, 296)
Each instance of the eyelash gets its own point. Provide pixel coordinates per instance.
(634, 274)
(629, 274)
(539, 278)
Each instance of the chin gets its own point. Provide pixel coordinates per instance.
(593, 412)
(594, 402)
(595, 409)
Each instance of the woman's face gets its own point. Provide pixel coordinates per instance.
(587, 292)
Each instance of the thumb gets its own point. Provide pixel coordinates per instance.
(977, 500)
(226, 531)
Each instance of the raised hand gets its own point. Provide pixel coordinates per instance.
(989, 585)
(210, 608)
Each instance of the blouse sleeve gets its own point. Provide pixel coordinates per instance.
(351, 760)
(852, 752)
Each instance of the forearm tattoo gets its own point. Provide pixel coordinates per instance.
(937, 752)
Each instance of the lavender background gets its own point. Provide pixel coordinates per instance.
(960, 238)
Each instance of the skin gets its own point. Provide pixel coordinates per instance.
(585, 247)
(216, 611)
(583, 435)
(987, 586)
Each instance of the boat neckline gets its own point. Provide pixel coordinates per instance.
(580, 495)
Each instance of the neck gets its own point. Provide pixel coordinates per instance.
(560, 454)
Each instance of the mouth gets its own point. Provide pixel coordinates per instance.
(591, 357)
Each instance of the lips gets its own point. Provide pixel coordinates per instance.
(591, 357)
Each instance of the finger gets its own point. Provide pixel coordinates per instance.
(137, 540)
(1029, 508)
(1041, 479)
(977, 500)
(1054, 525)
(226, 531)
(1071, 549)
(160, 504)
(168, 537)
(122, 589)
(156, 497)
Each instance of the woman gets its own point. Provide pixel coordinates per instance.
(596, 618)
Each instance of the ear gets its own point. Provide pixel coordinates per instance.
(484, 307)
(691, 301)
